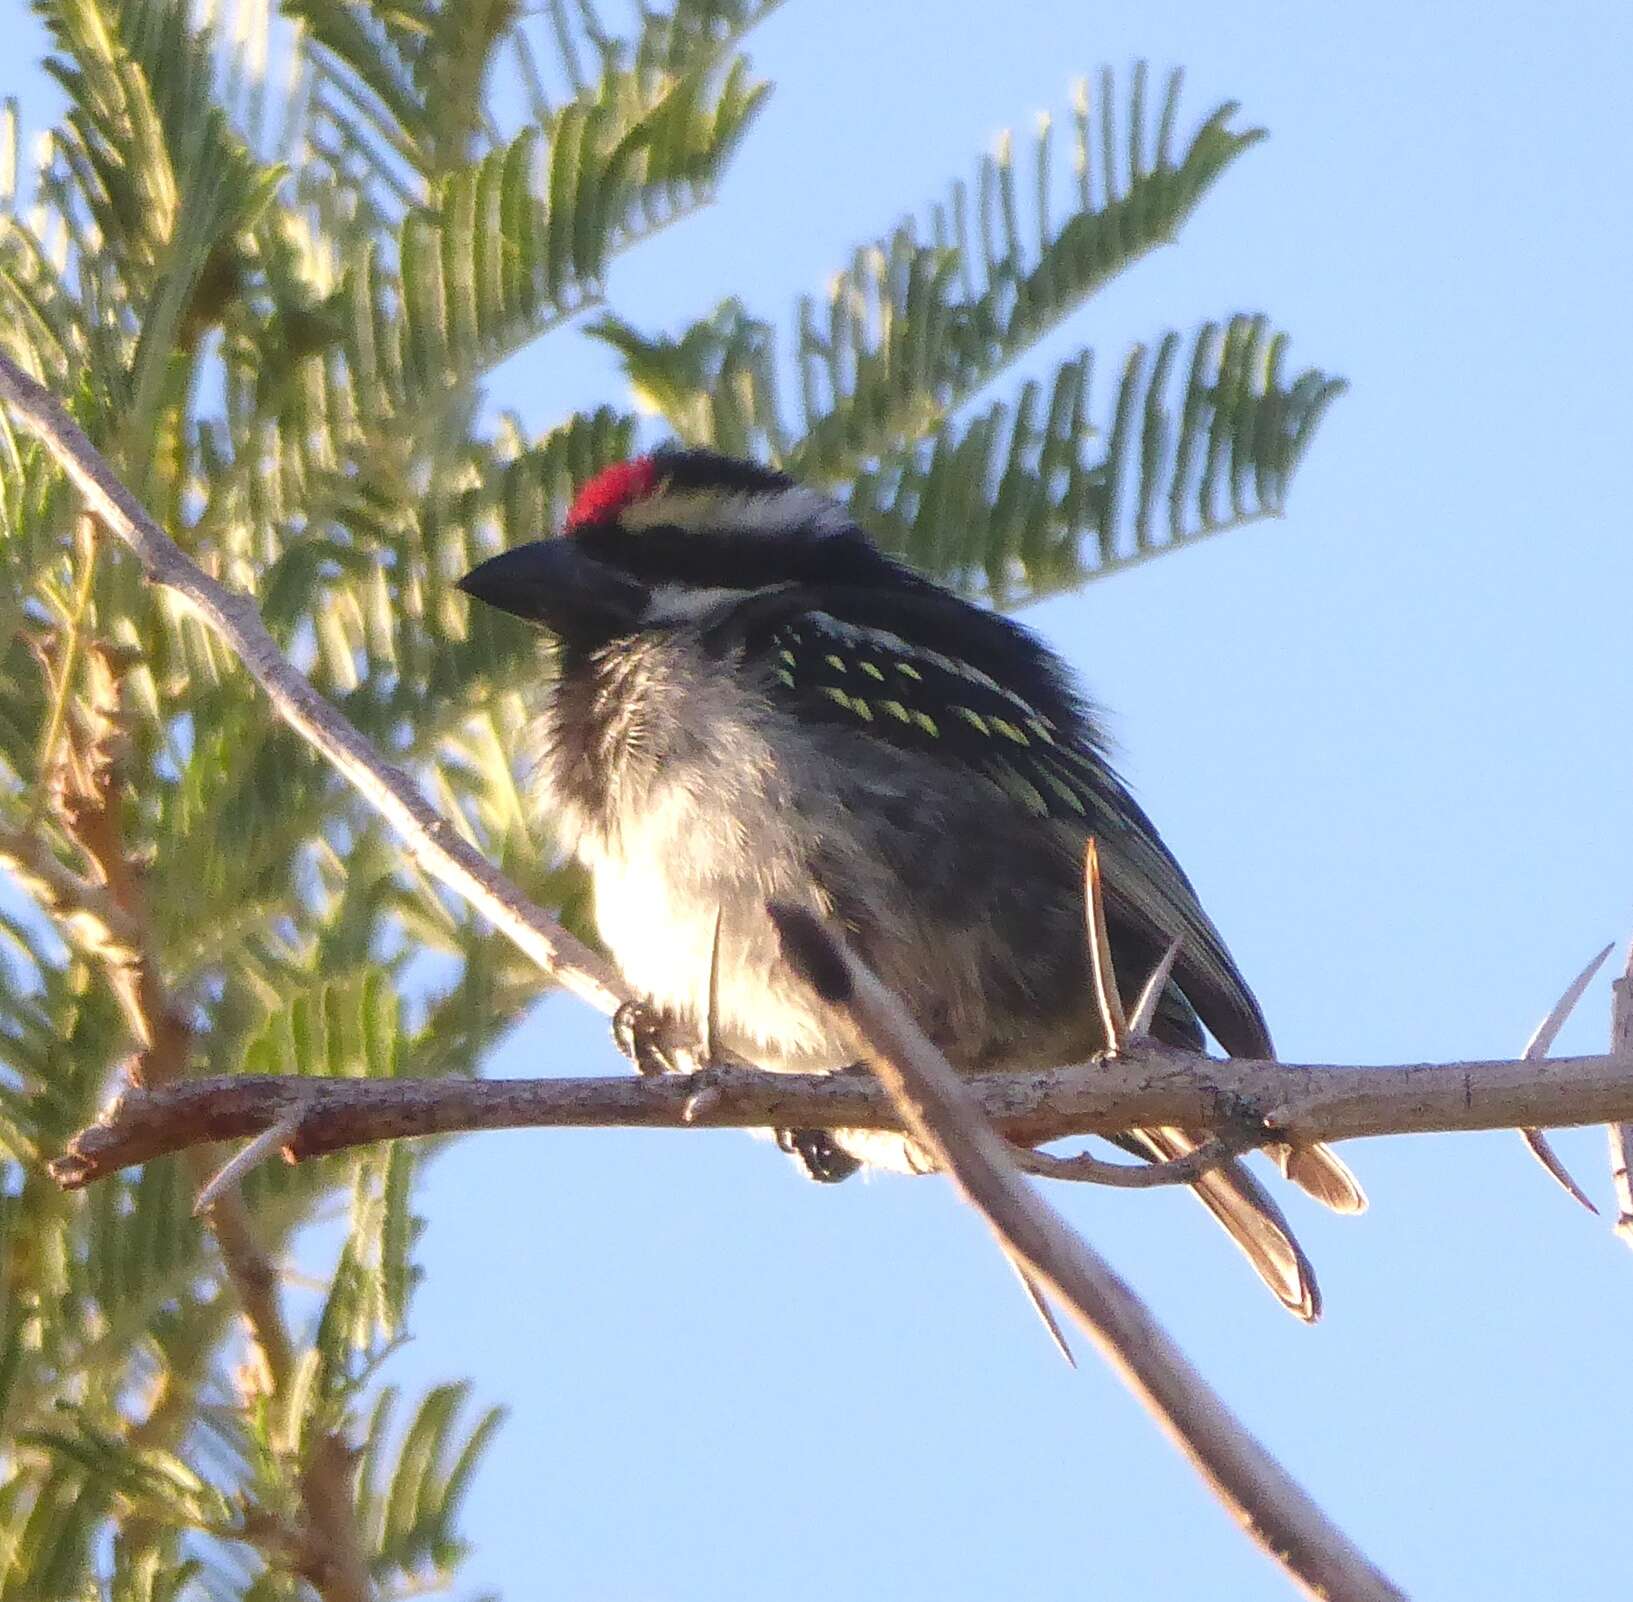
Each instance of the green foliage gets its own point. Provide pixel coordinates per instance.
(1005, 503)
(274, 310)
(411, 1481)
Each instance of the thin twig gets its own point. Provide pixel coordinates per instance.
(1085, 1166)
(429, 838)
(939, 1111)
(1536, 1048)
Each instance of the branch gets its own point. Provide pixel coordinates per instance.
(1621, 1131)
(430, 839)
(1185, 1169)
(940, 1112)
(1149, 1085)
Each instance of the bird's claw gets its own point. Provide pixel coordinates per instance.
(818, 1153)
(646, 1036)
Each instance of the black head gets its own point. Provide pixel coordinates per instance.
(688, 539)
(663, 539)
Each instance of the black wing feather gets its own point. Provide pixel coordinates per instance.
(932, 674)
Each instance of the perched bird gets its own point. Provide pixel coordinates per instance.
(753, 703)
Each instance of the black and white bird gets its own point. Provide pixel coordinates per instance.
(753, 704)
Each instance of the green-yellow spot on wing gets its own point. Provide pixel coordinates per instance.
(851, 703)
(1066, 793)
(1020, 788)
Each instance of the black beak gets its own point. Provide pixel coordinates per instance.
(557, 585)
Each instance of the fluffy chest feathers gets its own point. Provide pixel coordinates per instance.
(676, 785)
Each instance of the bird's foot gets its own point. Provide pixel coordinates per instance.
(816, 1150)
(818, 1153)
(649, 1037)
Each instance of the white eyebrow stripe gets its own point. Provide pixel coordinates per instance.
(737, 512)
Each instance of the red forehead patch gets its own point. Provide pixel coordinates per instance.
(611, 490)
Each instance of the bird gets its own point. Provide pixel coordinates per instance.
(753, 703)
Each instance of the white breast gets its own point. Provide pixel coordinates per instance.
(702, 824)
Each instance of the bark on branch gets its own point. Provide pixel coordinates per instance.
(1150, 1085)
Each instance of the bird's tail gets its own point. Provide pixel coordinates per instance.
(1250, 1217)
(1320, 1172)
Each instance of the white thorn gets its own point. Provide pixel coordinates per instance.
(254, 1153)
(1139, 1026)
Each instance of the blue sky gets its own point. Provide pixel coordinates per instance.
(1387, 736)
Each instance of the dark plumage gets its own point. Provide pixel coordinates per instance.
(754, 703)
